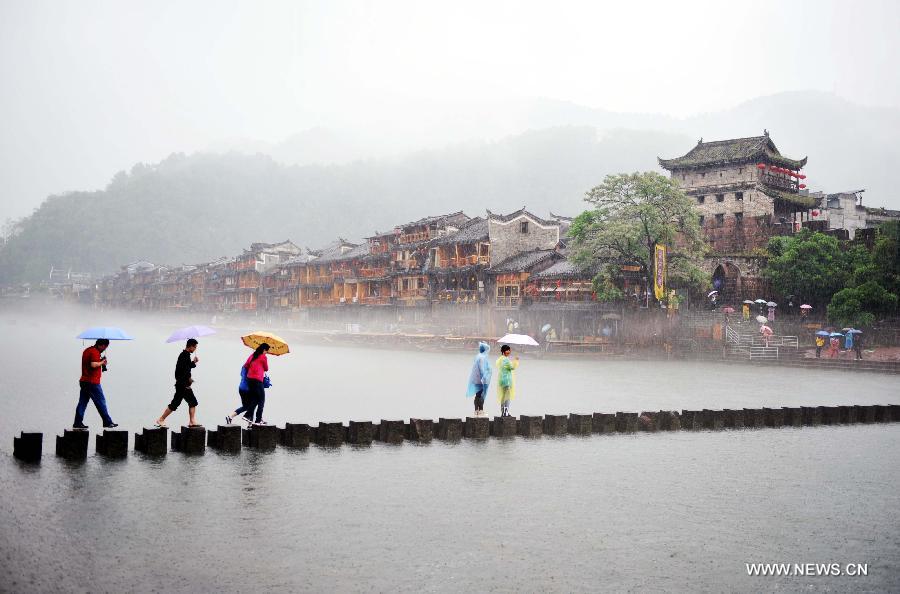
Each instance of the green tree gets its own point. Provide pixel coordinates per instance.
(631, 214)
(859, 306)
(811, 266)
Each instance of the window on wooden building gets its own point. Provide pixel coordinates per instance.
(523, 227)
(701, 199)
(720, 197)
(738, 195)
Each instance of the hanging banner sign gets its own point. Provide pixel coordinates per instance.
(659, 272)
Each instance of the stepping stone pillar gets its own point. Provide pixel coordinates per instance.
(812, 415)
(28, 446)
(72, 444)
(556, 424)
(226, 438)
(668, 420)
(152, 442)
(294, 435)
(882, 413)
(734, 419)
(330, 434)
(831, 415)
(754, 418)
(604, 423)
(580, 424)
(793, 416)
(262, 437)
(361, 432)
(647, 422)
(112, 443)
(391, 431)
(477, 428)
(865, 414)
(420, 430)
(773, 417)
(691, 420)
(531, 426)
(504, 427)
(191, 440)
(626, 422)
(449, 429)
(847, 414)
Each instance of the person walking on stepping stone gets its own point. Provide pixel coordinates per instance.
(506, 379)
(183, 390)
(93, 364)
(480, 378)
(257, 365)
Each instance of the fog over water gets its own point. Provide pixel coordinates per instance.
(680, 510)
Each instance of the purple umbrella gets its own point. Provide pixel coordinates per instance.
(190, 332)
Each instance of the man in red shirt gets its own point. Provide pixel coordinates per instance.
(93, 364)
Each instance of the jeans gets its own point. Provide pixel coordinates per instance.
(93, 392)
(257, 400)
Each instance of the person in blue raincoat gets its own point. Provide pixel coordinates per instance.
(480, 378)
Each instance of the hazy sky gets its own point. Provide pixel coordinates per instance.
(91, 87)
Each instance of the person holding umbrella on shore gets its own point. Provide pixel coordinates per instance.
(93, 364)
(820, 342)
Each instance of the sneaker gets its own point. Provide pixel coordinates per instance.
(111, 426)
(160, 424)
(260, 422)
(80, 426)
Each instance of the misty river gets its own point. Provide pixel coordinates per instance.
(688, 509)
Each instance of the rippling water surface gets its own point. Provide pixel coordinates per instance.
(668, 511)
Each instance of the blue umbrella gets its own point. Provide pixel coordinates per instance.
(107, 332)
(835, 334)
(190, 332)
(823, 333)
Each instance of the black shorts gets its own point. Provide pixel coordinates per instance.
(185, 394)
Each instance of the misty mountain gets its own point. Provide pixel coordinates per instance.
(190, 209)
(324, 183)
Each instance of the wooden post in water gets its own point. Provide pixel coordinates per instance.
(294, 435)
(556, 424)
(72, 444)
(604, 423)
(225, 437)
(504, 427)
(391, 432)
(28, 446)
(477, 428)
(531, 426)
(112, 443)
(152, 441)
(191, 440)
(580, 424)
(449, 429)
(420, 430)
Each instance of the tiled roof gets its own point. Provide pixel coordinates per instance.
(562, 269)
(509, 217)
(524, 261)
(475, 230)
(333, 251)
(738, 150)
(454, 218)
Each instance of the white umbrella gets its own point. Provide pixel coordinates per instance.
(711, 293)
(772, 304)
(762, 319)
(522, 339)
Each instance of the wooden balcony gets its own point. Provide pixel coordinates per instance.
(779, 181)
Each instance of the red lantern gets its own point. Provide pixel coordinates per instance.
(815, 213)
(773, 167)
(760, 165)
(801, 176)
(802, 186)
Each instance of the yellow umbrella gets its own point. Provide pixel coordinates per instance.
(277, 345)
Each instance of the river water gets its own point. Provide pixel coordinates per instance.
(648, 512)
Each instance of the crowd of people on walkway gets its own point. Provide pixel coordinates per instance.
(254, 381)
(853, 343)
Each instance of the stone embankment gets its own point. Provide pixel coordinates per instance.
(73, 445)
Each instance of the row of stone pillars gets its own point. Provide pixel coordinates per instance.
(73, 444)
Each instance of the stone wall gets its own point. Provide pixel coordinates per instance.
(507, 239)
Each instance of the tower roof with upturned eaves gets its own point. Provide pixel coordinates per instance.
(756, 149)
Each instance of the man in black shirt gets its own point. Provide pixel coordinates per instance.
(183, 381)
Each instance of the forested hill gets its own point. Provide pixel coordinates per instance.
(191, 209)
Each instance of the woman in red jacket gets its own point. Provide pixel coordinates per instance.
(257, 365)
